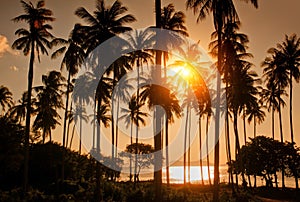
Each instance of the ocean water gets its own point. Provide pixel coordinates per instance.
(176, 176)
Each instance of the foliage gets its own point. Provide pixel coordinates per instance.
(263, 156)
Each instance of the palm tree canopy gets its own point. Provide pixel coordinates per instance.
(38, 32)
(222, 10)
(134, 113)
(5, 97)
(74, 54)
(104, 23)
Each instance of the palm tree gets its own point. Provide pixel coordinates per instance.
(5, 98)
(223, 11)
(139, 41)
(73, 57)
(290, 53)
(33, 41)
(171, 105)
(82, 97)
(257, 115)
(104, 118)
(49, 101)
(157, 134)
(277, 79)
(134, 115)
(172, 20)
(19, 110)
(122, 93)
(234, 47)
(105, 23)
(78, 114)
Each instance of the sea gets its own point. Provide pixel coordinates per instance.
(194, 176)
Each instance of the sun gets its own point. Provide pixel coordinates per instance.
(182, 71)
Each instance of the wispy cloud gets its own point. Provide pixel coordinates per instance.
(14, 68)
(5, 47)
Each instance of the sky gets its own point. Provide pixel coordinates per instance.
(265, 27)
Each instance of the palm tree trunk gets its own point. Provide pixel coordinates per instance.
(73, 131)
(207, 152)
(167, 152)
(184, 142)
(80, 131)
(130, 164)
(136, 153)
(200, 150)
(291, 106)
(68, 128)
(117, 124)
(44, 136)
(245, 138)
(244, 125)
(273, 123)
(157, 133)
(189, 149)
(27, 126)
(237, 142)
(217, 115)
(65, 126)
(281, 138)
(228, 146)
(254, 127)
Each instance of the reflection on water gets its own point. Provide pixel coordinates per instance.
(176, 176)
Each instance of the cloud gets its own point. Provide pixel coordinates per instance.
(5, 47)
(14, 68)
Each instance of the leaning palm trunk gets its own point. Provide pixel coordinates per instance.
(200, 151)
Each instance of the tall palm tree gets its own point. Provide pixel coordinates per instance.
(104, 23)
(82, 97)
(122, 95)
(277, 79)
(234, 46)
(189, 61)
(290, 53)
(49, 101)
(171, 105)
(73, 57)
(134, 115)
(223, 11)
(33, 41)
(5, 98)
(157, 134)
(140, 41)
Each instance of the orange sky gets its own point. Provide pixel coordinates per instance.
(265, 27)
